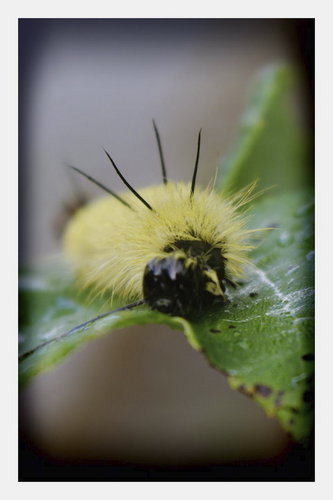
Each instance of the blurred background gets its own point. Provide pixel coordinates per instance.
(140, 400)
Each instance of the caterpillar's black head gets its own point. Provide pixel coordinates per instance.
(184, 284)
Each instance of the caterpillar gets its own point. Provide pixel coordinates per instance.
(175, 247)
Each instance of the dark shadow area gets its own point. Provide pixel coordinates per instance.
(296, 464)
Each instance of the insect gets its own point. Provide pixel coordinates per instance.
(174, 247)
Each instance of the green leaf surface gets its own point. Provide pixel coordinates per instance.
(271, 143)
(263, 340)
(50, 308)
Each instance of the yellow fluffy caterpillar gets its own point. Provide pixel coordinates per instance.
(171, 246)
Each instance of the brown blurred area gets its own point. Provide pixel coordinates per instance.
(139, 397)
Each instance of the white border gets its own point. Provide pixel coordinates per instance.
(282, 9)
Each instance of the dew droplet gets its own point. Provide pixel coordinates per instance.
(291, 269)
(310, 255)
(285, 239)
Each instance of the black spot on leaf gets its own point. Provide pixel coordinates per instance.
(308, 397)
(263, 390)
(278, 399)
(308, 357)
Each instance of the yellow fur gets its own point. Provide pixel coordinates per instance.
(109, 244)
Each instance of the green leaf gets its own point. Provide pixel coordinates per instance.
(272, 144)
(49, 309)
(264, 338)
